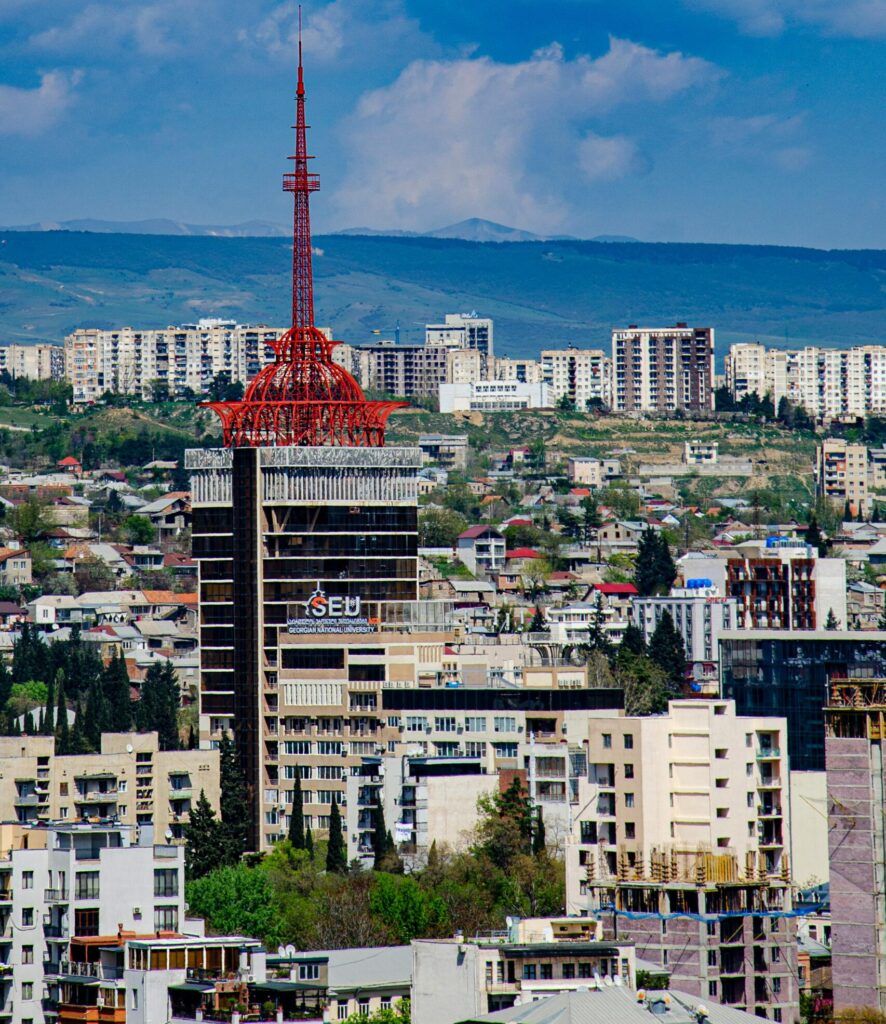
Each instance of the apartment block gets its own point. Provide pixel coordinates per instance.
(64, 885)
(526, 371)
(662, 369)
(581, 376)
(450, 451)
(131, 361)
(465, 366)
(466, 977)
(843, 473)
(829, 383)
(779, 583)
(403, 370)
(465, 331)
(586, 471)
(697, 778)
(33, 362)
(131, 781)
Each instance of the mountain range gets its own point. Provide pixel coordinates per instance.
(542, 294)
(475, 229)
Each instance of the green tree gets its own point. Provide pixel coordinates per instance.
(159, 703)
(139, 530)
(234, 803)
(297, 818)
(505, 827)
(646, 686)
(440, 527)
(95, 718)
(646, 564)
(539, 844)
(31, 520)
(831, 622)
(632, 641)
(309, 844)
(539, 623)
(62, 734)
(336, 855)
(380, 847)
(48, 724)
(405, 907)
(668, 651)
(239, 901)
(115, 682)
(815, 538)
(203, 850)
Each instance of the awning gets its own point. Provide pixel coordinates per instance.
(288, 986)
(192, 986)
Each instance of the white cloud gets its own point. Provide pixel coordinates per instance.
(459, 138)
(763, 137)
(860, 19)
(30, 112)
(341, 30)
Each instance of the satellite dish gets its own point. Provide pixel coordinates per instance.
(169, 835)
(128, 748)
(281, 951)
(290, 950)
(618, 981)
(608, 979)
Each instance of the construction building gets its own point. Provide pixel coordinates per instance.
(662, 369)
(855, 721)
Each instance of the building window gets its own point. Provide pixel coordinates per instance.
(444, 724)
(386, 1002)
(712, 958)
(27, 954)
(308, 972)
(27, 879)
(27, 990)
(86, 885)
(629, 741)
(629, 771)
(166, 882)
(607, 741)
(584, 970)
(85, 922)
(342, 1011)
(568, 970)
(712, 989)
(165, 919)
(27, 917)
(776, 1013)
(776, 955)
(529, 972)
(629, 799)
(630, 830)
(363, 1006)
(547, 972)
(776, 985)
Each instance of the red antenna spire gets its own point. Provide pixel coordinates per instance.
(303, 397)
(301, 184)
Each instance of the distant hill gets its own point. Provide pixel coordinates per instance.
(162, 226)
(541, 293)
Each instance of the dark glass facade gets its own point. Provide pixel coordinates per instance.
(789, 678)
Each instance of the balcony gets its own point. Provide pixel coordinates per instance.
(92, 1014)
(770, 754)
(55, 931)
(55, 895)
(95, 796)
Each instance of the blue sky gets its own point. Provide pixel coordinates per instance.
(668, 120)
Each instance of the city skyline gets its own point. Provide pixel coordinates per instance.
(700, 120)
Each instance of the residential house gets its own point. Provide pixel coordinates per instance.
(481, 549)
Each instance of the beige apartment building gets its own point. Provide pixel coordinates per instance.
(130, 361)
(524, 371)
(582, 376)
(843, 474)
(662, 369)
(829, 383)
(33, 362)
(698, 778)
(131, 780)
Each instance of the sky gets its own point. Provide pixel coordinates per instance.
(745, 121)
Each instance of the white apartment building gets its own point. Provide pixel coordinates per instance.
(587, 471)
(64, 882)
(464, 366)
(130, 361)
(494, 396)
(698, 777)
(829, 383)
(700, 613)
(582, 376)
(662, 369)
(33, 362)
(462, 330)
(526, 371)
(843, 474)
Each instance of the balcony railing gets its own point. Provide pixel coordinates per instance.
(55, 895)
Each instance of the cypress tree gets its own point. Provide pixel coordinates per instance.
(632, 641)
(49, 718)
(192, 738)
(297, 818)
(538, 834)
(95, 717)
(203, 850)
(234, 803)
(336, 857)
(645, 565)
(309, 844)
(62, 733)
(667, 650)
(115, 683)
(664, 565)
(379, 834)
(159, 704)
(30, 727)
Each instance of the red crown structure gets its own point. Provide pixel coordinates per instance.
(303, 398)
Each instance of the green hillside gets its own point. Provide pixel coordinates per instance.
(541, 294)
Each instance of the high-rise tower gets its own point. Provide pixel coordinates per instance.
(305, 533)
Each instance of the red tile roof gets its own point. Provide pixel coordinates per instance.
(615, 589)
(522, 553)
(472, 532)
